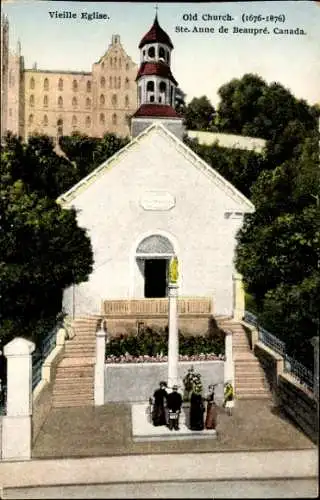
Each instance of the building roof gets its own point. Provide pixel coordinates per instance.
(156, 35)
(156, 68)
(156, 111)
(228, 140)
(157, 128)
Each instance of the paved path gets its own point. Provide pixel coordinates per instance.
(106, 431)
(280, 488)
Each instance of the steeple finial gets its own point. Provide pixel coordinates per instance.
(156, 9)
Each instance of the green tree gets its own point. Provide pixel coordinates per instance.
(42, 248)
(199, 114)
(87, 153)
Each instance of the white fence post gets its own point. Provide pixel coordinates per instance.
(229, 363)
(16, 424)
(99, 366)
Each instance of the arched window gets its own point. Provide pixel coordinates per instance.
(88, 122)
(88, 102)
(110, 82)
(31, 100)
(60, 84)
(74, 102)
(151, 52)
(162, 87)
(102, 65)
(115, 62)
(127, 67)
(126, 101)
(45, 121)
(45, 101)
(74, 121)
(88, 86)
(150, 86)
(102, 119)
(102, 100)
(46, 84)
(120, 63)
(60, 126)
(162, 54)
(103, 82)
(155, 244)
(114, 119)
(60, 102)
(119, 82)
(115, 82)
(111, 62)
(114, 100)
(126, 84)
(75, 85)
(30, 120)
(32, 83)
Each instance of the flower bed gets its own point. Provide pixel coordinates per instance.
(151, 346)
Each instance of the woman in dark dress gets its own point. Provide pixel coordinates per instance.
(159, 403)
(211, 415)
(196, 410)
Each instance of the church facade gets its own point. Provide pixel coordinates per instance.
(153, 200)
(58, 103)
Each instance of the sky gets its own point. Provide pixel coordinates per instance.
(201, 62)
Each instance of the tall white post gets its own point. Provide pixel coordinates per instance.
(238, 297)
(99, 370)
(173, 341)
(16, 424)
(229, 363)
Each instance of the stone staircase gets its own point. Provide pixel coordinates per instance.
(250, 379)
(74, 383)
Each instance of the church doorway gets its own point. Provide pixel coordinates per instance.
(155, 278)
(152, 257)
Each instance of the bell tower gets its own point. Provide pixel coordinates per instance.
(156, 84)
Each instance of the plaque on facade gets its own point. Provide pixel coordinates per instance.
(157, 200)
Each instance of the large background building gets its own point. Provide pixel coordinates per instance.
(61, 102)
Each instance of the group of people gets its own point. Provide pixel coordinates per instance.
(166, 409)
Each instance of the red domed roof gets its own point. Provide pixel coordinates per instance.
(156, 111)
(157, 69)
(156, 35)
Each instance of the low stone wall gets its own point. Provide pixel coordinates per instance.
(42, 395)
(188, 324)
(299, 405)
(136, 382)
(293, 399)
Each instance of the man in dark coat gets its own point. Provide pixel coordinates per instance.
(174, 403)
(159, 402)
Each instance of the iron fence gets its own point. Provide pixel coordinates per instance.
(296, 369)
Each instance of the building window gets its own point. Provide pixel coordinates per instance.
(60, 84)
(162, 53)
(120, 63)
(74, 85)
(32, 83)
(126, 85)
(127, 67)
(102, 119)
(102, 66)
(115, 82)
(103, 82)
(88, 86)
(45, 101)
(74, 121)
(151, 52)
(31, 100)
(74, 102)
(151, 98)
(114, 119)
(45, 121)
(114, 100)
(150, 86)
(126, 101)
(88, 121)
(60, 102)
(102, 100)
(115, 62)
(110, 82)
(119, 82)
(60, 127)
(46, 84)
(88, 103)
(30, 121)
(111, 62)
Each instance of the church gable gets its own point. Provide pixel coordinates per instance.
(157, 157)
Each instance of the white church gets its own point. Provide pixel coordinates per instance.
(155, 199)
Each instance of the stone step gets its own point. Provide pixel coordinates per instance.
(63, 385)
(74, 374)
(254, 396)
(68, 404)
